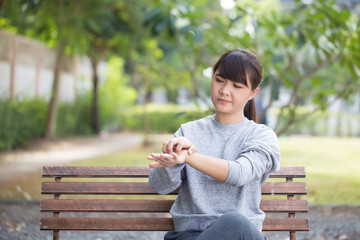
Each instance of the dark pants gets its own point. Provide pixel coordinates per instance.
(230, 226)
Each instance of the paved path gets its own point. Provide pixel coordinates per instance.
(60, 151)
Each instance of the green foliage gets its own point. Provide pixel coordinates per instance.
(115, 94)
(74, 118)
(20, 121)
(162, 119)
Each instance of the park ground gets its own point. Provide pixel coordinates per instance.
(333, 183)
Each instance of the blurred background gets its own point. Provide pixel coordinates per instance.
(106, 82)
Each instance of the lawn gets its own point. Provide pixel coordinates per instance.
(332, 166)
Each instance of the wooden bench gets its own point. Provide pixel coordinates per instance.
(144, 205)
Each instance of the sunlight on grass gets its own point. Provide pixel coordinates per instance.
(331, 165)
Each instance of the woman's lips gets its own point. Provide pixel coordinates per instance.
(224, 101)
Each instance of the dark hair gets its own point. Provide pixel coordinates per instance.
(241, 65)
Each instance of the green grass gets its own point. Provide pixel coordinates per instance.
(332, 167)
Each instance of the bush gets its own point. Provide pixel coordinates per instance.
(164, 119)
(74, 118)
(21, 121)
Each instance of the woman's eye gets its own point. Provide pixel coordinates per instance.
(237, 86)
(218, 80)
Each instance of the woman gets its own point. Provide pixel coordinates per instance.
(220, 161)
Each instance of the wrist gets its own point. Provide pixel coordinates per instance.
(184, 155)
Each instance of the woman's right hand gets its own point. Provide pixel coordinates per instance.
(176, 144)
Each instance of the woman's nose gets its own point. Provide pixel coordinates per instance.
(225, 89)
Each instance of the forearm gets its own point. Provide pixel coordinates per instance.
(165, 180)
(213, 167)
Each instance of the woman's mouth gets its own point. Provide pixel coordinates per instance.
(223, 101)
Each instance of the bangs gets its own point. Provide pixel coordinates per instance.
(234, 67)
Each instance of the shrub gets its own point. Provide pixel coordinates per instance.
(74, 118)
(162, 119)
(21, 121)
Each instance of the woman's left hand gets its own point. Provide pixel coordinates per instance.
(177, 144)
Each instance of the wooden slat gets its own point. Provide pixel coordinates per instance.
(295, 172)
(107, 224)
(96, 188)
(154, 224)
(278, 188)
(284, 206)
(144, 188)
(105, 205)
(95, 171)
(108, 172)
(286, 224)
(120, 205)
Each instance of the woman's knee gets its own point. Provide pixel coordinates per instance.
(234, 218)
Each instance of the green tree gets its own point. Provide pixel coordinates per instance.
(93, 28)
(56, 23)
(188, 26)
(298, 48)
(108, 28)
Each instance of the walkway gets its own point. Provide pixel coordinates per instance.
(60, 151)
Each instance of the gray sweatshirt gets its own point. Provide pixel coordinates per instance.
(252, 152)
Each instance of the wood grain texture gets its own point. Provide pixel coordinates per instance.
(294, 172)
(154, 224)
(141, 172)
(143, 188)
(121, 205)
(105, 205)
(152, 204)
(95, 171)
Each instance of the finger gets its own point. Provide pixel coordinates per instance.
(155, 165)
(192, 150)
(179, 147)
(166, 157)
(170, 145)
(174, 155)
(164, 148)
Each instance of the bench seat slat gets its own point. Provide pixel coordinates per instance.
(286, 224)
(121, 205)
(104, 205)
(292, 188)
(284, 205)
(154, 224)
(95, 171)
(107, 224)
(294, 172)
(141, 172)
(144, 188)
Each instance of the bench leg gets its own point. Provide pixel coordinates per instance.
(56, 235)
(292, 235)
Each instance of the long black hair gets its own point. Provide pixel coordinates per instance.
(241, 65)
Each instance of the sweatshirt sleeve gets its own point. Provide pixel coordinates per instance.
(259, 157)
(165, 180)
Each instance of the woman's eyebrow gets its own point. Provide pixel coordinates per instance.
(219, 75)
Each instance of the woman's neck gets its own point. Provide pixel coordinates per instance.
(229, 119)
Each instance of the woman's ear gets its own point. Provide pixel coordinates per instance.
(253, 93)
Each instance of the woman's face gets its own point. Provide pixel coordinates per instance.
(229, 98)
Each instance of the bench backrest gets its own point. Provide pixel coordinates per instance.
(148, 210)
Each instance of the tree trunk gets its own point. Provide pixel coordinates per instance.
(2, 3)
(53, 104)
(13, 68)
(95, 120)
(147, 126)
